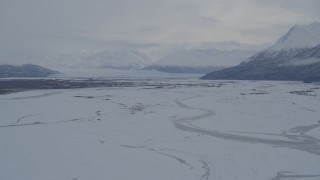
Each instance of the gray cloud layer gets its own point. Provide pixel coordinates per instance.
(31, 27)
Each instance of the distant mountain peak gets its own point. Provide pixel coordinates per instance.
(25, 70)
(298, 37)
(122, 59)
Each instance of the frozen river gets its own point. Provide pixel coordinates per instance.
(160, 129)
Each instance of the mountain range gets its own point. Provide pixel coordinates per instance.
(295, 56)
(103, 59)
(26, 70)
(199, 60)
(183, 58)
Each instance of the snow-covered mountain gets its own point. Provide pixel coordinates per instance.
(103, 59)
(227, 46)
(26, 70)
(183, 69)
(204, 57)
(199, 60)
(295, 56)
(120, 59)
(179, 58)
(298, 37)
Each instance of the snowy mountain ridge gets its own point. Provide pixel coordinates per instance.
(199, 61)
(298, 37)
(205, 57)
(103, 59)
(25, 70)
(294, 57)
(181, 58)
(120, 59)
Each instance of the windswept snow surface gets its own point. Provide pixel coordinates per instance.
(173, 129)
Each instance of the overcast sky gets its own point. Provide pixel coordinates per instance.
(31, 27)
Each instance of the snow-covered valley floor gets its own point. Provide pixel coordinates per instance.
(176, 130)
